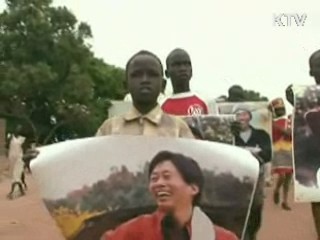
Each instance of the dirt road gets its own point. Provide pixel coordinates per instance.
(26, 218)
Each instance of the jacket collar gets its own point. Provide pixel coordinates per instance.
(153, 116)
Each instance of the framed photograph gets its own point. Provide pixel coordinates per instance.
(261, 116)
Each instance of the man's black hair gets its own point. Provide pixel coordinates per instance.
(187, 167)
(143, 52)
(242, 109)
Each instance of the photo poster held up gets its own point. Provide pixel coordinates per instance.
(306, 143)
(106, 183)
(215, 128)
(261, 115)
(213, 107)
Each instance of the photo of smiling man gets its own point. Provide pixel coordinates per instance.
(176, 183)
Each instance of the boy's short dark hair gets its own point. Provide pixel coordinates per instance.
(143, 52)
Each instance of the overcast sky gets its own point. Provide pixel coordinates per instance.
(230, 42)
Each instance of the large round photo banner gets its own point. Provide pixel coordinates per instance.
(120, 186)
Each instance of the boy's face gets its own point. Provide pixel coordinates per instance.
(144, 79)
(179, 68)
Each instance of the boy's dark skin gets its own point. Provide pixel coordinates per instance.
(164, 85)
(179, 70)
(144, 78)
(314, 64)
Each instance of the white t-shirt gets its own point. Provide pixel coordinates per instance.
(245, 135)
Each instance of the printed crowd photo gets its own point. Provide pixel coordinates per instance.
(215, 128)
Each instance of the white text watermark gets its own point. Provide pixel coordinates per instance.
(289, 19)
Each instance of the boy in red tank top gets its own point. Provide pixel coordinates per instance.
(183, 102)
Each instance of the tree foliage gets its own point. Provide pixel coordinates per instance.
(49, 78)
(252, 96)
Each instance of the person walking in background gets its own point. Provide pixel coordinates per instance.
(183, 102)
(16, 164)
(282, 164)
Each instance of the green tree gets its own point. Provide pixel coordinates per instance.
(49, 77)
(252, 96)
